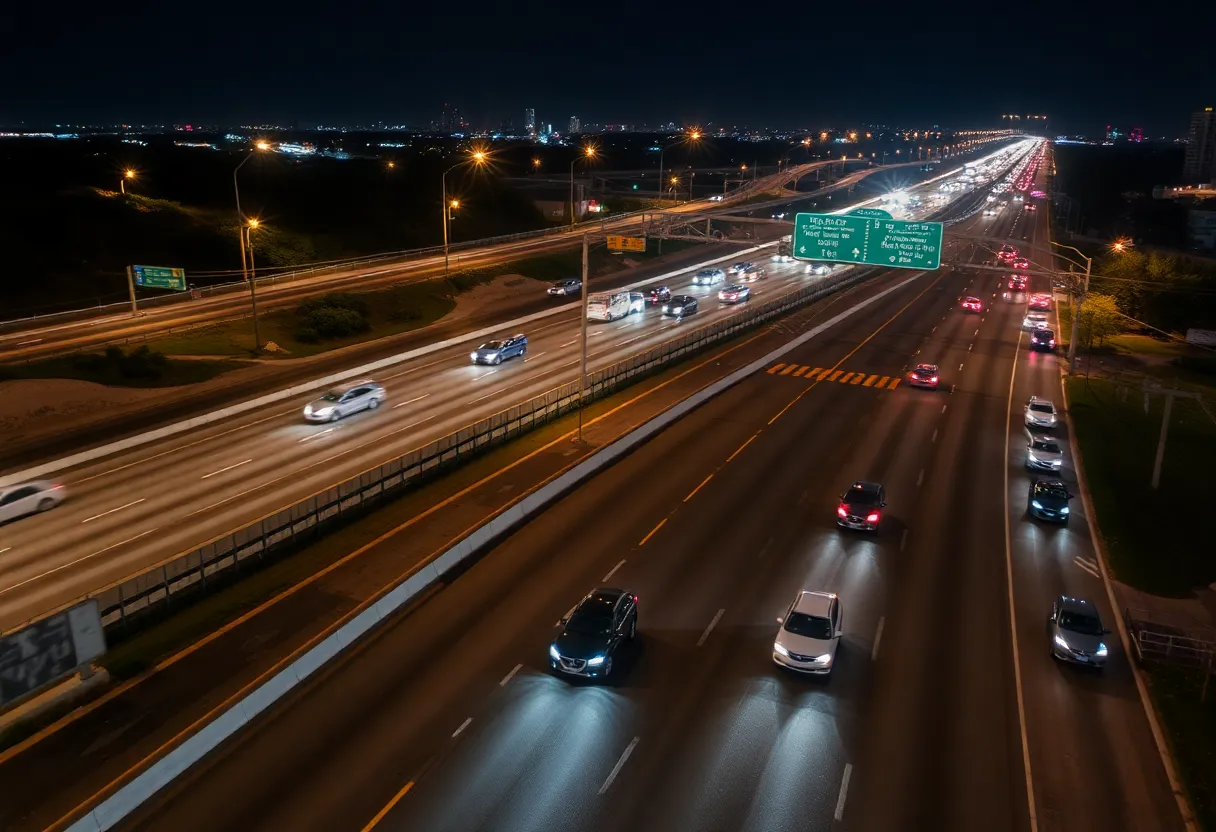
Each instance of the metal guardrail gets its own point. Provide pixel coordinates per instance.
(1158, 640)
(127, 600)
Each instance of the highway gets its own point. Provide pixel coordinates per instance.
(40, 341)
(449, 718)
(134, 509)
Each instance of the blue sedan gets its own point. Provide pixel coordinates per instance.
(496, 352)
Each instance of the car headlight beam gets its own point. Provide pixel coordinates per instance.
(595, 661)
(777, 648)
(553, 654)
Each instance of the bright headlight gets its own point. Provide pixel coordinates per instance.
(826, 658)
(1037, 504)
(1101, 649)
(325, 411)
(595, 661)
(1064, 510)
(777, 648)
(553, 652)
(473, 356)
(677, 309)
(307, 410)
(666, 308)
(1060, 641)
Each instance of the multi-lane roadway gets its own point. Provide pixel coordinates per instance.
(133, 509)
(944, 710)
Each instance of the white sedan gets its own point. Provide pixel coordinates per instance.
(29, 498)
(810, 632)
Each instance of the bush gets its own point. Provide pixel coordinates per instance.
(335, 315)
(307, 335)
(143, 364)
(335, 300)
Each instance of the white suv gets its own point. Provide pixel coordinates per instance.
(1040, 413)
(810, 632)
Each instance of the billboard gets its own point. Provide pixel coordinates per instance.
(48, 650)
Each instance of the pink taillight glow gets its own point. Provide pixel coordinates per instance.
(872, 517)
(842, 510)
(933, 380)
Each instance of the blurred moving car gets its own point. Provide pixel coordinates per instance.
(1020, 263)
(1043, 339)
(1007, 253)
(1048, 500)
(735, 294)
(1017, 282)
(496, 352)
(1034, 320)
(924, 375)
(861, 506)
(598, 625)
(33, 497)
(741, 267)
(1040, 301)
(818, 268)
(570, 286)
(637, 302)
(342, 402)
(658, 294)
(1076, 632)
(972, 304)
(680, 306)
(1043, 453)
(810, 633)
(708, 277)
(752, 274)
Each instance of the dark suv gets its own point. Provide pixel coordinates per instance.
(1043, 340)
(1048, 500)
(861, 506)
(605, 618)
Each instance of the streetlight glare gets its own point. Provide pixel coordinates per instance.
(1121, 244)
(455, 203)
(694, 135)
(262, 145)
(254, 222)
(129, 173)
(589, 151)
(536, 162)
(480, 156)
(675, 179)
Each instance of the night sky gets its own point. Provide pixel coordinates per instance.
(784, 64)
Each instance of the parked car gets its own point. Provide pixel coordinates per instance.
(680, 306)
(596, 628)
(1076, 632)
(570, 286)
(735, 294)
(496, 352)
(810, 633)
(27, 498)
(343, 401)
(861, 506)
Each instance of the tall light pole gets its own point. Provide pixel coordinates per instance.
(126, 174)
(253, 294)
(240, 216)
(1076, 312)
(476, 158)
(693, 136)
(588, 153)
(582, 361)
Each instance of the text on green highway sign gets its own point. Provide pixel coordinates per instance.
(874, 241)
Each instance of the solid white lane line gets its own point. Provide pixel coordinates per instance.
(510, 675)
(613, 572)
(111, 511)
(619, 765)
(710, 628)
(877, 639)
(315, 435)
(229, 468)
(463, 725)
(844, 791)
(61, 567)
(484, 375)
(903, 540)
(411, 401)
(920, 478)
(530, 357)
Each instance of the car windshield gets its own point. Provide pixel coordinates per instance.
(331, 396)
(492, 345)
(1079, 622)
(1045, 445)
(1048, 491)
(591, 621)
(1044, 334)
(1041, 407)
(858, 497)
(810, 626)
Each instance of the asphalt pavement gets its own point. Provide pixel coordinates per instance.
(449, 718)
(139, 507)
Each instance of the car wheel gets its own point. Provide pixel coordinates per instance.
(335, 416)
(373, 404)
(45, 504)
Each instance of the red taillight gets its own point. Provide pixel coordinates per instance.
(933, 380)
(842, 510)
(1052, 342)
(872, 517)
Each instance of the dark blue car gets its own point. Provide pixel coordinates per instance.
(496, 352)
(1048, 500)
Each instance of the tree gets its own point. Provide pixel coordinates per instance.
(1100, 319)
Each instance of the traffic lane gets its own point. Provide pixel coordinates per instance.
(1094, 758)
(711, 419)
(944, 698)
(404, 680)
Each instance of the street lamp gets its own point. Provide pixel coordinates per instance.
(1076, 313)
(588, 153)
(477, 158)
(240, 216)
(126, 174)
(535, 164)
(693, 136)
(253, 295)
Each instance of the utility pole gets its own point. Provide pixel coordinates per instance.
(1170, 395)
(131, 290)
(582, 361)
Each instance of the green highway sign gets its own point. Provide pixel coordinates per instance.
(874, 241)
(160, 277)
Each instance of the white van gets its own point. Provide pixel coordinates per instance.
(608, 306)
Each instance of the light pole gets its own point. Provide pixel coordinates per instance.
(126, 174)
(693, 136)
(588, 153)
(253, 294)
(1076, 312)
(240, 217)
(477, 158)
(582, 360)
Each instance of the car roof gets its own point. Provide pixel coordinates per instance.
(735, 287)
(932, 368)
(812, 602)
(1067, 603)
(1040, 400)
(863, 487)
(43, 484)
(607, 595)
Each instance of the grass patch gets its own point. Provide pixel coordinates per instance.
(1191, 727)
(1146, 345)
(141, 367)
(1118, 442)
